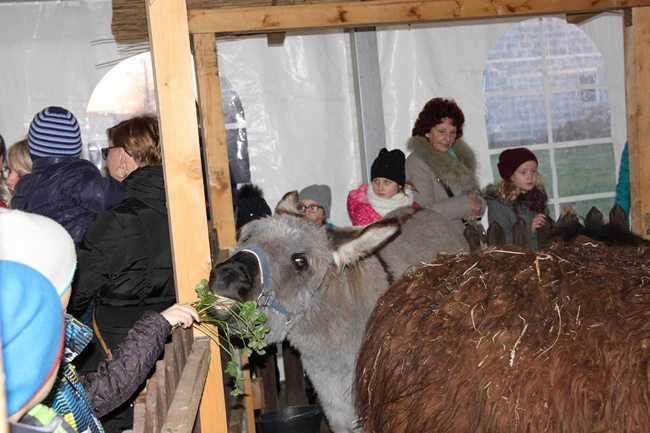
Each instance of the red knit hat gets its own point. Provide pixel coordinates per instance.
(511, 159)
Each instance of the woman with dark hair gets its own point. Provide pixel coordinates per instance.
(442, 167)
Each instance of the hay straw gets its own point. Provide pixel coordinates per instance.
(514, 348)
(559, 331)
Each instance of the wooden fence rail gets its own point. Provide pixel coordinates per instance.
(521, 230)
(170, 401)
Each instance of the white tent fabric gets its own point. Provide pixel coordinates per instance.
(298, 98)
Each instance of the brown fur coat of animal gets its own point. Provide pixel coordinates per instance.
(512, 341)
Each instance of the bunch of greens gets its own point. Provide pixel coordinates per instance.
(249, 327)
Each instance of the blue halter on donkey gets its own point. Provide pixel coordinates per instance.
(266, 298)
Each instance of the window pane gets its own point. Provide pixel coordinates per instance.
(518, 74)
(515, 121)
(520, 41)
(585, 169)
(576, 71)
(514, 62)
(572, 57)
(580, 114)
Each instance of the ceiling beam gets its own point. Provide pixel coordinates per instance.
(259, 19)
(580, 18)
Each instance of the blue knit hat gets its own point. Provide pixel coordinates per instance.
(32, 327)
(54, 132)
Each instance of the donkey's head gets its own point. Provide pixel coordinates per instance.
(281, 261)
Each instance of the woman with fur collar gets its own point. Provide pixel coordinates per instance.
(441, 166)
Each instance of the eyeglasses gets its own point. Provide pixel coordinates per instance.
(313, 208)
(107, 150)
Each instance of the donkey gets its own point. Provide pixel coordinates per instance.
(319, 286)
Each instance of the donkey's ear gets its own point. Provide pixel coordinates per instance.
(288, 204)
(355, 244)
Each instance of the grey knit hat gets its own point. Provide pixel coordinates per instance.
(54, 132)
(321, 194)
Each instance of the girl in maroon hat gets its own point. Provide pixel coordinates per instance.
(520, 194)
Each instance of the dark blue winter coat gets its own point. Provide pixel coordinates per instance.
(71, 191)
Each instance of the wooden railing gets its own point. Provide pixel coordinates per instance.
(170, 401)
(521, 230)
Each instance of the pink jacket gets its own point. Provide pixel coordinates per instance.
(360, 210)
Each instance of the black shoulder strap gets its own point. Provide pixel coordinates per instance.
(446, 187)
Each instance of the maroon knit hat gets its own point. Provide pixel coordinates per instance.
(511, 159)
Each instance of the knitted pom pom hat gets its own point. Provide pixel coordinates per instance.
(511, 159)
(389, 165)
(31, 325)
(54, 132)
(40, 243)
(321, 194)
(250, 205)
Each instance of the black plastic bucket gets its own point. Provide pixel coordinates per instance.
(293, 419)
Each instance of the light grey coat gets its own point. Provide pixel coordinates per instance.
(327, 281)
(426, 168)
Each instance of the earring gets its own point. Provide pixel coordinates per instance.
(121, 172)
(426, 135)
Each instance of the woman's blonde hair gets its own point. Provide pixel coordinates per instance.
(140, 138)
(18, 154)
(508, 191)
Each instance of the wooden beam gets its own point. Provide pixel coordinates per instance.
(637, 83)
(215, 147)
(378, 12)
(172, 66)
(580, 18)
(182, 411)
(278, 38)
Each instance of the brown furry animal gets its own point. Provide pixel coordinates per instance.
(512, 341)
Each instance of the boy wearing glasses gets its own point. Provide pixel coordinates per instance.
(315, 202)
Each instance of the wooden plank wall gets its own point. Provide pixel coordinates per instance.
(378, 12)
(214, 138)
(637, 84)
(172, 64)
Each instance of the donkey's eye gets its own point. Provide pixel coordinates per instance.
(300, 262)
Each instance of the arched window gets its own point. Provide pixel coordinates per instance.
(127, 90)
(545, 87)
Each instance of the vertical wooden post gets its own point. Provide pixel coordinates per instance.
(172, 64)
(637, 83)
(215, 147)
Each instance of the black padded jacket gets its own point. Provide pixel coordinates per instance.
(125, 258)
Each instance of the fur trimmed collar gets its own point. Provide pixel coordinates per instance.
(491, 192)
(459, 172)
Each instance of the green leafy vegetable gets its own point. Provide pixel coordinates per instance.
(250, 327)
